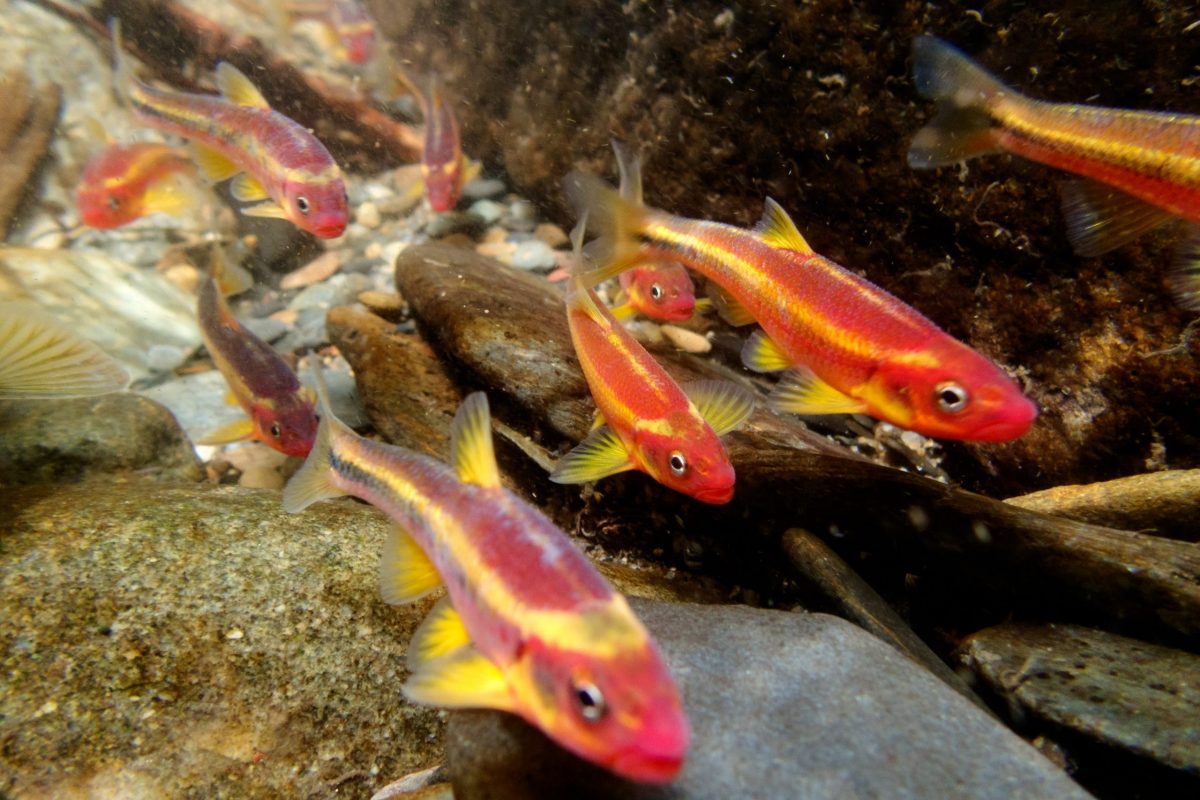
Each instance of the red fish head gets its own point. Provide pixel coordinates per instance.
(443, 185)
(619, 709)
(663, 292)
(290, 427)
(105, 206)
(320, 207)
(956, 394)
(684, 454)
(360, 46)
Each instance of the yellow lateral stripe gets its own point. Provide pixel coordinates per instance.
(758, 280)
(1057, 124)
(585, 632)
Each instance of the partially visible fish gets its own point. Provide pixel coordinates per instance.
(275, 162)
(444, 168)
(848, 346)
(661, 291)
(1141, 169)
(528, 625)
(280, 410)
(645, 420)
(125, 182)
(355, 30)
(40, 359)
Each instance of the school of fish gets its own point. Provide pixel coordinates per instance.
(527, 624)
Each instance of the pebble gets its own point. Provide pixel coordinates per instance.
(501, 251)
(552, 235)
(333, 292)
(685, 340)
(521, 216)
(267, 329)
(367, 215)
(391, 251)
(373, 250)
(164, 357)
(534, 254)
(483, 188)
(314, 271)
(487, 210)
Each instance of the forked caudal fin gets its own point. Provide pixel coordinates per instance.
(963, 90)
(313, 482)
(616, 219)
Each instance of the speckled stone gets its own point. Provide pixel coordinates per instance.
(781, 705)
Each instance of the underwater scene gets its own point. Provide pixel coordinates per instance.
(446, 399)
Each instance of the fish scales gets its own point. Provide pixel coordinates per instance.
(254, 364)
(502, 562)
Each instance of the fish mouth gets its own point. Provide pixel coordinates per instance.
(714, 495)
(330, 228)
(1012, 425)
(645, 767)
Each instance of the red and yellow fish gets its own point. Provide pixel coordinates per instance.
(125, 182)
(279, 409)
(444, 168)
(274, 161)
(849, 346)
(1140, 168)
(354, 29)
(645, 420)
(528, 625)
(41, 359)
(661, 291)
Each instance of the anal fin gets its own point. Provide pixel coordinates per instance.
(722, 404)
(1185, 270)
(762, 354)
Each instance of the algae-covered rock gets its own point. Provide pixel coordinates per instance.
(167, 640)
(63, 441)
(781, 705)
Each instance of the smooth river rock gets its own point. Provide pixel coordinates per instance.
(1139, 697)
(781, 705)
(64, 441)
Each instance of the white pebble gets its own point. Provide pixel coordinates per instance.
(368, 216)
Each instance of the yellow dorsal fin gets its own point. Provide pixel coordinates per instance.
(761, 354)
(601, 454)
(471, 450)
(722, 404)
(463, 679)
(405, 572)
(802, 392)
(777, 229)
(237, 88)
(440, 634)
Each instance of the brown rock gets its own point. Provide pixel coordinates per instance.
(1119, 691)
(1161, 503)
(26, 125)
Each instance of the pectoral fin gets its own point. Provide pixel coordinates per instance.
(464, 679)
(440, 634)
(624, 312)
(601, 454)
(802, 392)
(1101, 218)
(247, 189)
(761, 354)
(166, 197)
(730, 309)
(405, 572)
(268, 210)
(215, 166)
(722, 404)
(236, 431)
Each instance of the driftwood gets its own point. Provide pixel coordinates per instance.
(182, 48)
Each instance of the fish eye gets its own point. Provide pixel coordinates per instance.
(302, 204)
(275, 430)
(114, 202)
(589, 700)
(678, 464)
(656, 292)
(950, 397)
